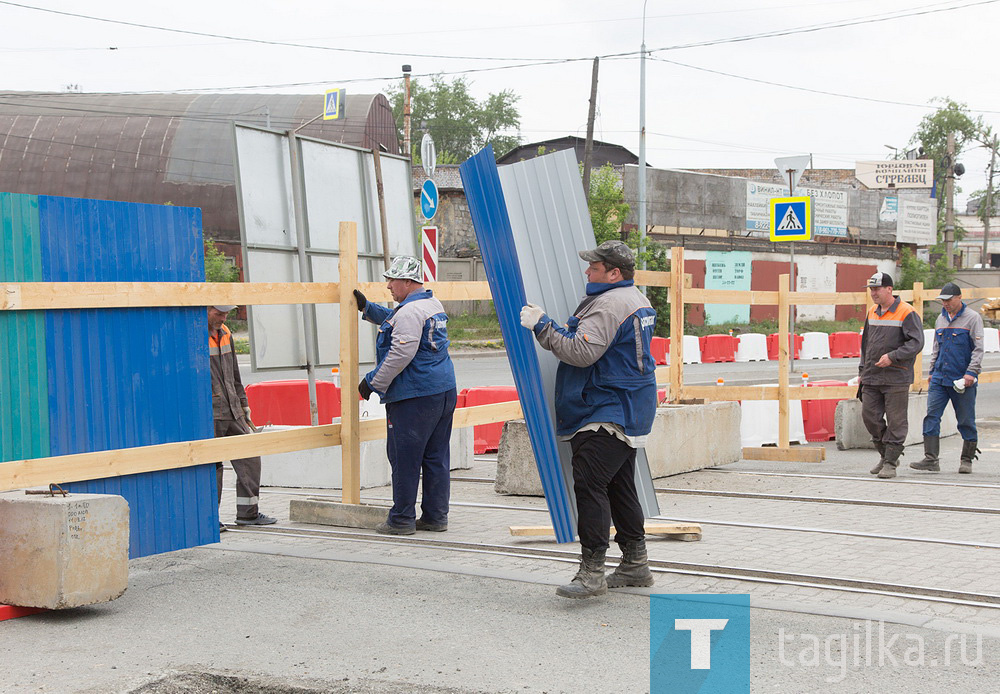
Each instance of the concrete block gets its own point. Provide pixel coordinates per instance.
(320, 468)
(677, 443)
(61, 552)
(324, 512)
(851, 432)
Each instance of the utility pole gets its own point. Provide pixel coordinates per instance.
(588, 149)
(642, 141)
(406, 111)
(989, 202)
(949, 198)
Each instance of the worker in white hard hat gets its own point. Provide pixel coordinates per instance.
(415, 379)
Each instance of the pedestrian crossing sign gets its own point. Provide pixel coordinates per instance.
(791, 219)
(333, 104)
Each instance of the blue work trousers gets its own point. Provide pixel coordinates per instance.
(965, 410)
(419, 436)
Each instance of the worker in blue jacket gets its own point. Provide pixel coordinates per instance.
(955, 364)
(605, 401)
(415, 379)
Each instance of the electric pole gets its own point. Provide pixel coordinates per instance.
(406, 112)
(988, 210)
(949, 198)
(588, 149)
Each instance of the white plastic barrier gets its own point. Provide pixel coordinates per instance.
(991, 340)
(815, 346)
(928, 341)
(752, 347)
(692, 349)
(759, 422)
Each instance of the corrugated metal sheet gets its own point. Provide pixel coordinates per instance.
(551, 224)
(120, 378)
(24, 424)
(500, 257)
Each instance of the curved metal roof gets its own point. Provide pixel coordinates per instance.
(161, 148)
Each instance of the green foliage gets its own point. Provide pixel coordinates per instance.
(471, 327)
(218, 268)
(459, 124)
(913, 269)
(606, 201)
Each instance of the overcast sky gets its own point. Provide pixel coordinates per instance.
(695, 118)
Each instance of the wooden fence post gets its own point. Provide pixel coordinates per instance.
(918, 305)
(783, 340)
(676, 322)
(350, 421)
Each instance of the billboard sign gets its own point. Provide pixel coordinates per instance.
(897, 173)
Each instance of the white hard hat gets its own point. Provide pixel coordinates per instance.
(404, 267)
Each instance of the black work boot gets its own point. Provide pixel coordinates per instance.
(892, 453)
(880, 447)
(930, 463)
(589, 580)
(633, 570)
(969, 452)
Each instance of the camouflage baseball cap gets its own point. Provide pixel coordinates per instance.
(404, 267)
(612, 253)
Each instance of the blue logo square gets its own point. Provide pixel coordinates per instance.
(699, 643)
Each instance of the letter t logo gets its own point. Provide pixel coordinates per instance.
(701, 639)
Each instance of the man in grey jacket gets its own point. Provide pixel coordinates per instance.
(893, 337)
(955, 363)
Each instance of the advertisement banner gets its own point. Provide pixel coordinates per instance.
(829, 208)
(917, 222)
(898, 173)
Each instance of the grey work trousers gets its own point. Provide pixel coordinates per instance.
(247, 471)
(883, 410)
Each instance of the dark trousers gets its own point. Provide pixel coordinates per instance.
(883, 410)
(247, 472)
(938, 397)
(418, 441)
(604, 482)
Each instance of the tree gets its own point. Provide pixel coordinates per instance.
(913, 269)
(218, 267)
(459, 124)
(932, 134)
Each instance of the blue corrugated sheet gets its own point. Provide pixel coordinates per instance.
(496, 243)
(120, 378)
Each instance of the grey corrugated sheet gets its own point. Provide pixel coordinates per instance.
(551, 224)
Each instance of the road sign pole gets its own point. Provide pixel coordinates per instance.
(793, 282)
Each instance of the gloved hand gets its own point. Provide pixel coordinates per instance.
(362, 300)
(246, 411)
(365, 389)
(530, 315)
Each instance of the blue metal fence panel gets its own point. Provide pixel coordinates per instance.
(24, 421)
(120, 378)
(496, 243)
(550, 224)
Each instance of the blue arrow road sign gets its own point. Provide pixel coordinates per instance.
(429, 199)
(791, 219)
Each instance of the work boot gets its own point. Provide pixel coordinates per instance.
(880, 447)
(892, 453)
(969, 452)
(930, 463)
(633, 569)
(589, 580)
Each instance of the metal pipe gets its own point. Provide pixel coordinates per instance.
(642, 140)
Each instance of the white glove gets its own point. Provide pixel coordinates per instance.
(530, 315)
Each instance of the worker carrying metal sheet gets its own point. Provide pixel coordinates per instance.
(231, 413)
(415, 379)
(605, 401)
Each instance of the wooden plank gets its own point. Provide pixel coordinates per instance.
(443, 291)
(725, 393)
(487, 414)
(31, 296)
(804, 454)
(677, 294)
(729, 296)
(652, 278)
(651, 527)
(350, 453)
(918, 306)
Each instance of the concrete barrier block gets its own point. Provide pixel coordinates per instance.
(324, 512)
(320, 468)
(677, 443)
(61, 552)
(851, 432)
